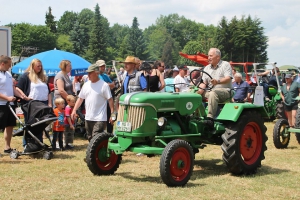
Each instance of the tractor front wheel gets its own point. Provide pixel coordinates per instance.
(99, 159)
(281, 137)
(244, 143)
(177, 163)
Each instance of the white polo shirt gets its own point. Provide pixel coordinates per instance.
(6, 86)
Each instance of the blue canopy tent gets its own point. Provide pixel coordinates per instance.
(51, 59)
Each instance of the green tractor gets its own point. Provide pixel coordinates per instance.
(172, 125)
(274, 106)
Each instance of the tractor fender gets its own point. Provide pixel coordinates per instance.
(232, 111)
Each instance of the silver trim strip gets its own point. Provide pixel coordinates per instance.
(129, 96)
(166, 109)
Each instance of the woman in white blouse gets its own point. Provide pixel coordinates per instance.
(33, 86)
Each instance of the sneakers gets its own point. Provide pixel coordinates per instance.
(8, 150)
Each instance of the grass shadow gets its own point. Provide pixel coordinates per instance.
(151, 179)
(129, 161)
(79, 147)
(216, 167)
(62, 156)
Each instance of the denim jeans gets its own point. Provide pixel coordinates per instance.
(59, 135)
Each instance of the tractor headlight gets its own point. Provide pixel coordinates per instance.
(161, 121)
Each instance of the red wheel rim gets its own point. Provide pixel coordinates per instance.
(251, 143)
(103, 161)
(180, 164)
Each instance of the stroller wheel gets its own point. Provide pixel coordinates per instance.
(14, 154)
(48, 155)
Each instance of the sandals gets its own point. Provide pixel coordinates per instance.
(8, 150)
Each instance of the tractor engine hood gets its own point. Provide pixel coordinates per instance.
(185, 103)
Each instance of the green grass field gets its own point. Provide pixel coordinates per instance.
(66, 176)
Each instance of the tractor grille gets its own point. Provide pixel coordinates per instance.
(136, 115)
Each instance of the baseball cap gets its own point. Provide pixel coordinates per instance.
(100, 63)
(288, 76)
(183, 67)
(93, 68)
(175, 69)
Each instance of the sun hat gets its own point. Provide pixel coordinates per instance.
(100, 63)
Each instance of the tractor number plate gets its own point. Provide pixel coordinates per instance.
(124, 126)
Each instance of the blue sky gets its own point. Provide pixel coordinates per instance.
(281, 19)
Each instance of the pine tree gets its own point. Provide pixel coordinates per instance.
(167, 53)
(50, 22)
(136, 42)
(97, 43)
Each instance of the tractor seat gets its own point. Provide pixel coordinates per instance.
(272, 90)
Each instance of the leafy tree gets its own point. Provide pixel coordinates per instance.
(167, 56)
(242, 40)
(80, 34)
(66, 23)
(39, 36)
(63, 43)
(97, 43)
(50, 22)
(136, 42)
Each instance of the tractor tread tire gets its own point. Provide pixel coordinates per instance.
(165, 162)
(91, 155)
(277, 134)
(297, 125)
(231, 144)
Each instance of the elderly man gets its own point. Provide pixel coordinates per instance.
(221, 74)
(96, 93)
(134, 80)
(242, 89)
(180, 81)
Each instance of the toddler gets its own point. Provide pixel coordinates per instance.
(69, 124)
(58, 125)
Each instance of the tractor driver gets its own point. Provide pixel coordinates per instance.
(221, 74)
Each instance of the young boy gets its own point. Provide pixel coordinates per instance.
(58, 125)
(69, 124)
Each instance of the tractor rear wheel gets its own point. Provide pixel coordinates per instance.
(297, 125)
(244, 143)
(177, 163)
(281, 137)
(99, 160)
(280, 113)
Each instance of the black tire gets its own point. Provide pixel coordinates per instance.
(177, 152)
(281, 137)
(248, 133)
(280, 113)
(96, 156)
(297, 125)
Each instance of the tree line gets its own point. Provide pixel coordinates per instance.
(90, 35)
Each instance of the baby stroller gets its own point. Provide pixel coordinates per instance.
(38, 116)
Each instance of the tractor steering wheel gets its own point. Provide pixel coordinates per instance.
(199, 79)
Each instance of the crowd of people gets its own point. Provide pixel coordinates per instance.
(95, 92)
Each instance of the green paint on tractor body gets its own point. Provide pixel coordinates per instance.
(137, 129)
